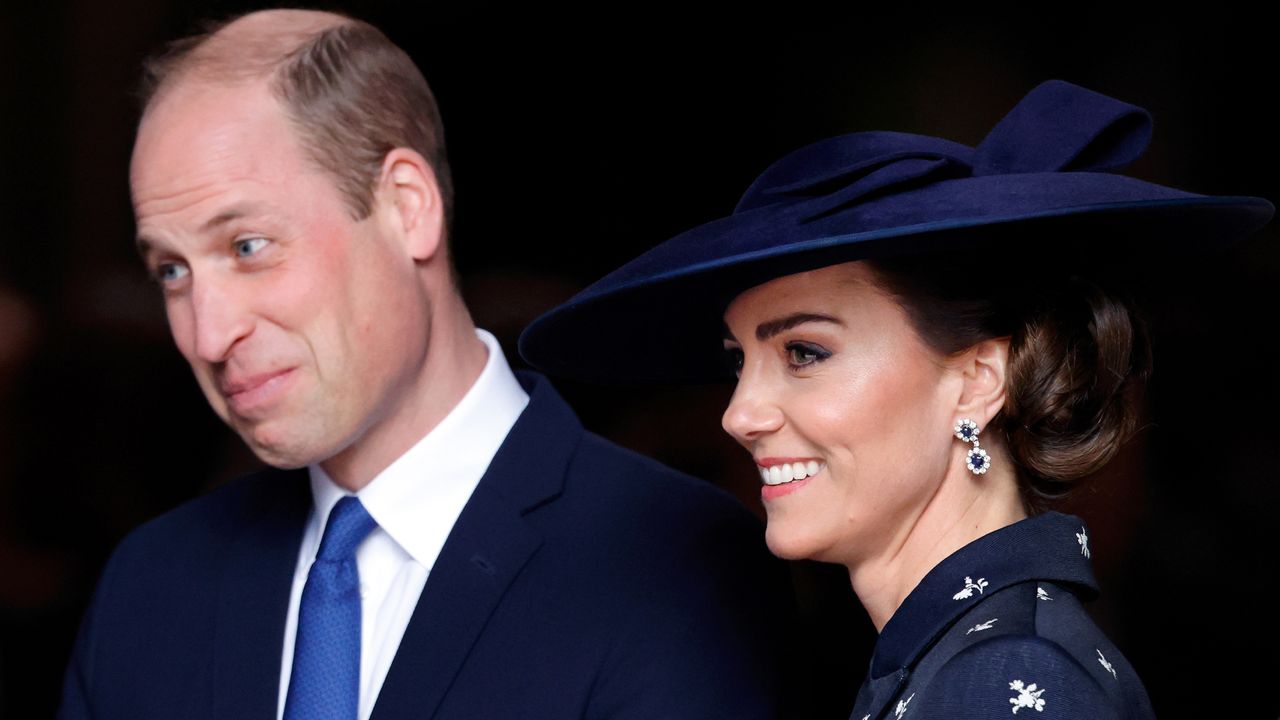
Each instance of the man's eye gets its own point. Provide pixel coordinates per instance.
(169, 272)
(248, 246)
(800, 354)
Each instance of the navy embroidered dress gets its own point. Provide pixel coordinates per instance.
(997, 630)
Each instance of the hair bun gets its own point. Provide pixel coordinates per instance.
(1075, 366)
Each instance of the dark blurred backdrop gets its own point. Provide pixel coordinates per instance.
(579, 137)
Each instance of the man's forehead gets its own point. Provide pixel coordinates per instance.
(202, 123)
(191, 100)
(209, 142)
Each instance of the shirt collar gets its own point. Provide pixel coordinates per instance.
(1052, 547)
(419, 496)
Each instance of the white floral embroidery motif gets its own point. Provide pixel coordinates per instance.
(899, 711)
(1028, 697)
(982, 626)
(1082, 537)
(1041, 594)
(969, 587)
(867, 716)
(1103, 659)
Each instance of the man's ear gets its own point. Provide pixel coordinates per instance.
(984, 373)
(408, 197)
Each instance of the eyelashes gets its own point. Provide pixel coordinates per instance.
(797, 355)
(801, 354)
(733, 359)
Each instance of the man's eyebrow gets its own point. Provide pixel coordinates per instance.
(766, 330)
(234, 212)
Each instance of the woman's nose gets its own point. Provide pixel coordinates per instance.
(752, 412)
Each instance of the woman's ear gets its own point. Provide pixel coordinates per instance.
(409, 197)
(984, 373)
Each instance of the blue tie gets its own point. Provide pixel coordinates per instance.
(325, 680)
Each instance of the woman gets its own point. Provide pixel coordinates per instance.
(921, 367)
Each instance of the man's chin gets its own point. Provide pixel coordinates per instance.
(280, 452)
(281, 462)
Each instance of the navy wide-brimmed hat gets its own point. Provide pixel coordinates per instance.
(1039, 186)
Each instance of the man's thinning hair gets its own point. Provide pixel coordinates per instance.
(352, 94)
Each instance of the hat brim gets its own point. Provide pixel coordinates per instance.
(659, 318)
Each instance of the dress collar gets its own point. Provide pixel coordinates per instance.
(417, 498)
(1052, 547)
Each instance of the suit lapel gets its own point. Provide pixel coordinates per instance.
(257, 577)
(487, 547)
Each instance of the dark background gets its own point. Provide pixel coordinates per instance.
(579, 138)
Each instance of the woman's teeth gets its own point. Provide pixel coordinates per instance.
(789, 472)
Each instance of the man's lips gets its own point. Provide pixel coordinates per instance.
(247, 393)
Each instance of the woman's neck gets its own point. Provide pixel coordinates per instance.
(965, 508)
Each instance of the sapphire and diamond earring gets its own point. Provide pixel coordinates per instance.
(978, 461)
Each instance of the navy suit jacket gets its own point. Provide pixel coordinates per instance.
(580, 581)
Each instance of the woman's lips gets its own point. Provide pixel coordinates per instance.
(776, 471)
(772, 492)
(782, 476)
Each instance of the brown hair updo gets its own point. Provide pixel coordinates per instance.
(1078, 358)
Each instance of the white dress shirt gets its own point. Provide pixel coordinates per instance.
(415, 502)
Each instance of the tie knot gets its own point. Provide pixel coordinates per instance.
(348, 524)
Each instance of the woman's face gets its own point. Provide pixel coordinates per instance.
(835, 387)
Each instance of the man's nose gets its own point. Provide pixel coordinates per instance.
(221, 319)
(752, 411)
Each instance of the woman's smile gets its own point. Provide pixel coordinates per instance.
(775, 471)
(783, 476)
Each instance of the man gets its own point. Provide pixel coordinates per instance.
(457, 546)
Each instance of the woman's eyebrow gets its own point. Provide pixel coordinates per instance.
(768, 329)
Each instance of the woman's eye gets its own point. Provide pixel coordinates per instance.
(248, 246)
(801, 354)
(733, 360)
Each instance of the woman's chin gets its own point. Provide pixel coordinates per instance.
(786, 544)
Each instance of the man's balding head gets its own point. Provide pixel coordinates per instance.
(351, 94)
(249, 47)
